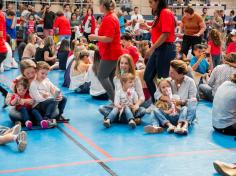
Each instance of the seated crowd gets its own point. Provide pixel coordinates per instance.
(169, 93)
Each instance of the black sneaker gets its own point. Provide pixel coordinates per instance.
(21, 141)
(62, 119)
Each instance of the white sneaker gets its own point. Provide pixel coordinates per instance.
(16, 129)
(107, 123)
(132, 124)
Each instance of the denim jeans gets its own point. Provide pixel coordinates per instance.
(61, 105)
(216, 60)
(62, 37)
(206, 91)
(105, 110)
(126, 115)
(164, 118)
(25, 113)
(47, 108)
(159, 65)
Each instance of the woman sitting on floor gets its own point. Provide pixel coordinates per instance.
(219, 75)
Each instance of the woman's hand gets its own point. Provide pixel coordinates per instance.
(93, 37)
(149, 52)
(59, 98)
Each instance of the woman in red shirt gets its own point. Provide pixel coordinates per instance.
(63, 25)
(163, 49)
(89, 23)
(109, 45)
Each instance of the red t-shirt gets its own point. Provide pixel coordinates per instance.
(132, 51)
(26, 96)
(166, 24)
(110, 27)
(63, 24)
(231, 48)
(3, 48)
(215, 50)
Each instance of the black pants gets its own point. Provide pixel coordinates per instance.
(101, 97)
(231, 130)
(159, 65)
(190, 41)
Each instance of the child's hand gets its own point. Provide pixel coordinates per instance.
(29, 101)
(119, 107)
(45, 95)
(21, 102)
(59, 97)
(134, 108)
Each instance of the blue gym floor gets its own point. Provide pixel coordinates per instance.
(85, 148)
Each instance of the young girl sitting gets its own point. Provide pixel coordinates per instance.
(78, 72)
(23, 102)
(96, 89)
(173, 113)
(125, 99)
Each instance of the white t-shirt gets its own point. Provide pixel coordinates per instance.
(96, 88)
(87, 26)
(137, 17)
(130, 97)
(38, 88)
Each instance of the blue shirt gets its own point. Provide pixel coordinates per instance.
(9, 30)
(202, 67)
(224, 106)
(122, 24)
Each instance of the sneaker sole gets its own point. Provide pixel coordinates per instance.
(107, 125)
(22, 144)
(16, 129)
(152, 130)
(132, 125)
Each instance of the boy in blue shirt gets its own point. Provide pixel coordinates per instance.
(198, 62)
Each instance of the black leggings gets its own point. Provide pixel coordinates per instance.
(101, 97)
(231, 130)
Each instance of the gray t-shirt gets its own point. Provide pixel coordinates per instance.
(224, 106)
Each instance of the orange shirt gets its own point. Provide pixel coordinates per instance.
(110, 28)
(192, 26)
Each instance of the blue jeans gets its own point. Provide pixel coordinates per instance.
(25, 113)
(216, 60)
(159, 65)
(206, 90)
(164, 118)
(126, 115)
(62, 37)
(106, 109)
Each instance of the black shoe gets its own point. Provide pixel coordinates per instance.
(62, 119)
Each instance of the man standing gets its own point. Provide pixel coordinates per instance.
(48, 17)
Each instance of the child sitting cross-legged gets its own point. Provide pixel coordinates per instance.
(23, 102)
(46, 95)
(169, 113)
(125, 99)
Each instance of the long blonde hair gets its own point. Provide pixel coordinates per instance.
(130, 62)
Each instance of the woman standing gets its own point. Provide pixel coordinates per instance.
(89, 23)
(163, 50)
(194, 27)
(109, 45)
